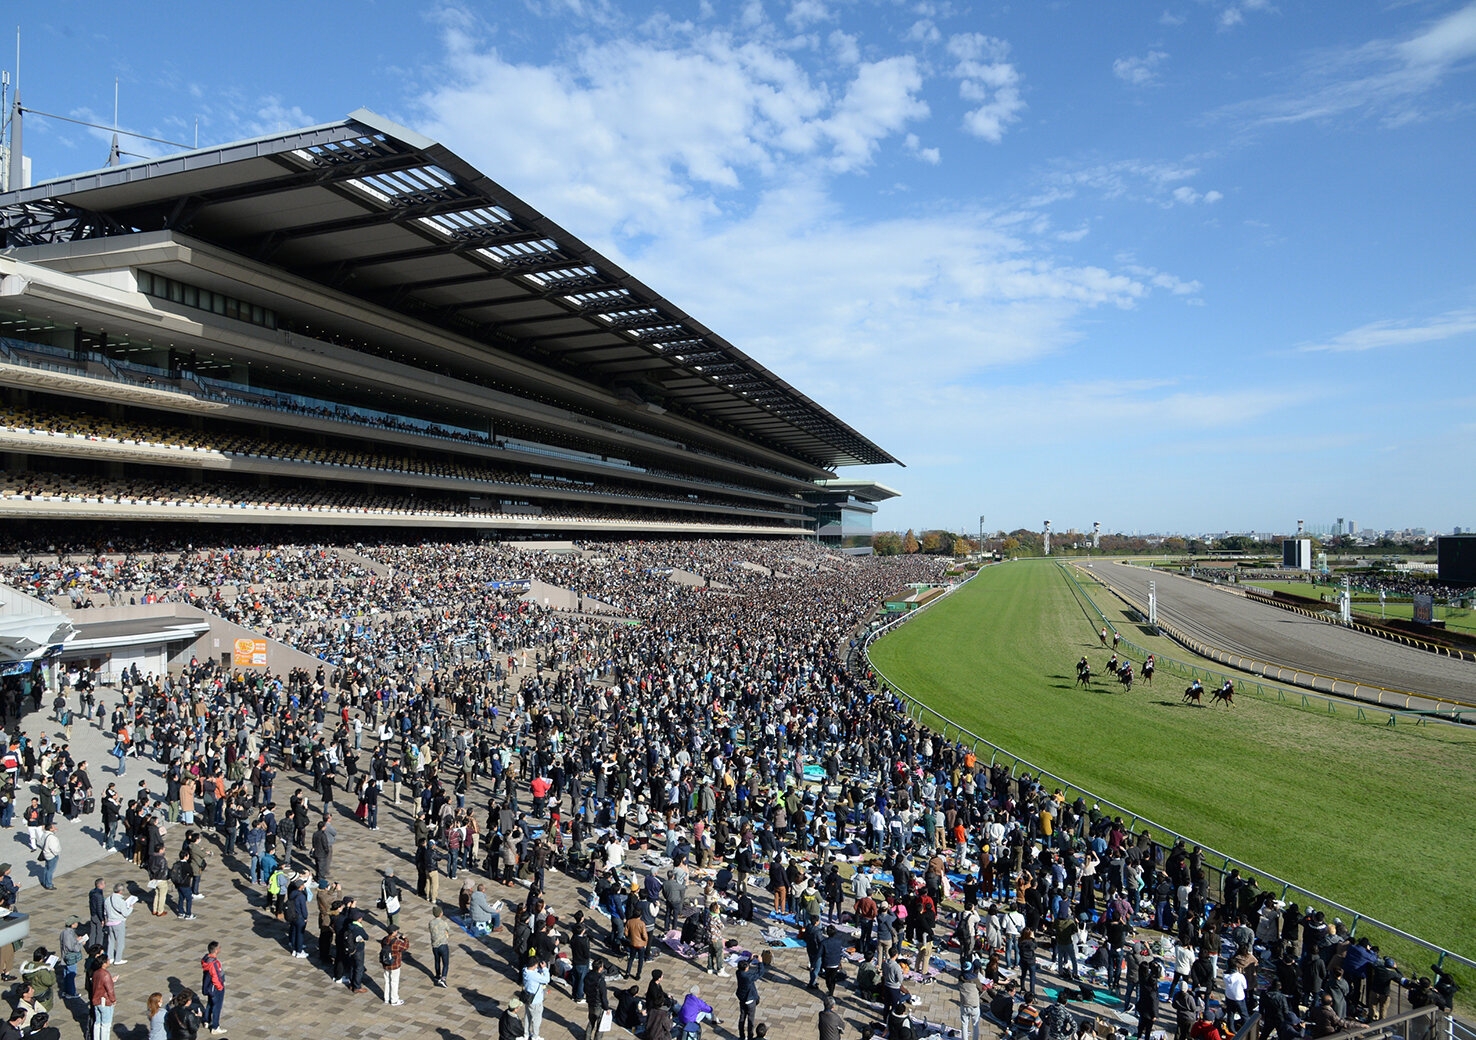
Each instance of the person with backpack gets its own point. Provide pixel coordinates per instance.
(183, 876)
(392, 950)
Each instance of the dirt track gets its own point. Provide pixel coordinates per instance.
(1240, 625)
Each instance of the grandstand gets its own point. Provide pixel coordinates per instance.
(349, 325)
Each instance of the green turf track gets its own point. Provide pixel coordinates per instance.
(1382, 819)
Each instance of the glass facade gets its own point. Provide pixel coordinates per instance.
(844, 524)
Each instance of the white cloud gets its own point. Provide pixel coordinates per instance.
(608, 136)
(1187, 196)
(1139, 71)
(807, 12)
(844, 47)
(987, 78)
(1171, 19)
(931, 156)
(1378, 335)
(1073, 236)
(1385, 77)
(923, 31)
(1138, 180)
(1234, 14)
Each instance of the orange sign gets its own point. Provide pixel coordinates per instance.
(249, 653)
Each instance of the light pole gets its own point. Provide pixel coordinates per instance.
(981, 534)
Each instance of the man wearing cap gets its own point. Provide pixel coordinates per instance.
(1379, 983)
(510, 1022)
(969, 1011)
(394, 945)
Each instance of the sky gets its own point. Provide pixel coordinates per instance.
(1184, 266)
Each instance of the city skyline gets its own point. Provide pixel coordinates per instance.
(1196, 264)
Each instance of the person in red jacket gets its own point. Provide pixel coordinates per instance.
(212, 987)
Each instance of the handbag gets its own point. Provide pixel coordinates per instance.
(607, 1020)
(392, 904)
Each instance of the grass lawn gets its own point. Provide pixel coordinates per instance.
(1378, 818)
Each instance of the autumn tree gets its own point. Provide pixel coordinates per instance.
(909, 542)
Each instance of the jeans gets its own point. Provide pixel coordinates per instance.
(442, 957)
(186, 901)
(48, 872)
(745, 1020)
(68, 979)
(638, 959)
(373, 819)
(296, 936)
(214, 1000)
(579, 971)
(969, 1023)
(102, 1021)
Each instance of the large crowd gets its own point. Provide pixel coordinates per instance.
(720, 761)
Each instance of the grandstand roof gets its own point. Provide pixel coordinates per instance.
(375, 210)
(865, 490)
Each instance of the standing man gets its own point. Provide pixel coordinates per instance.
(103, 997)
(97, 911)
(440, 938)
(535, 985)
(391, 958)
(968, 1003)
(747, 980)
(116, 913)
(50, 853)
(323, 840)
(212, 987)
(831, 1023)
(598, 995)
(637, 941)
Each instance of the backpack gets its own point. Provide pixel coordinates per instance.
(386, 955)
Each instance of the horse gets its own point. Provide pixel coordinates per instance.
(1148, 670)
(1083, 673)
(1125, 676)
(1193, 693)
(1113, 665)
(1225, 693)
(1102, 635)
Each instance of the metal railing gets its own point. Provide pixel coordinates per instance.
(1218, 864)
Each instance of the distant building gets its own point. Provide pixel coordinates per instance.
(1296, 553)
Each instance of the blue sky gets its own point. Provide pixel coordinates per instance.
(1196, 265)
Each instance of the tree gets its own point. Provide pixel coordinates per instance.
(909, 542)
(1011, 546)
(962, 546)
(886, 543)
(933, 541)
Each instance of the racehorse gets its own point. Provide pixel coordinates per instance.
(1125, 676)
(1083, 673)
(1193, 693)
(1113, 665)
(1148, 670)
(1225, 693)
(1102, 635)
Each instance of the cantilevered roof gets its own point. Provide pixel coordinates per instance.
(865, 490)
(373, 209)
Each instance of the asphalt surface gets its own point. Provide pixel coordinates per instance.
(1232, 622)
